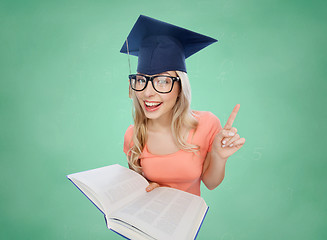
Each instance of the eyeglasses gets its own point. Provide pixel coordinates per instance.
(160, 83)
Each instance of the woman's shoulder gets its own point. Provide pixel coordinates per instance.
(205, 116)
(207, 122)
(208, 126)
(129, 132)
(128, 139)
(130, 128)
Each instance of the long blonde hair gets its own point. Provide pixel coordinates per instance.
(182, 118)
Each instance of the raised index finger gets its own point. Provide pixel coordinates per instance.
(232, 117)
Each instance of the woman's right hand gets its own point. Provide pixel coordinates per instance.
(152, 186)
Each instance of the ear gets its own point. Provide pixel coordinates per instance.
(129, 91)
(179, 95)
(180, 88)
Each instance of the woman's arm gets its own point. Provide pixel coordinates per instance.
(225, 144)
(213, 170)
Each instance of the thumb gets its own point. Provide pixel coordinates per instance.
(152, 186)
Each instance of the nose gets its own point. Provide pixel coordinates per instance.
(149, 90)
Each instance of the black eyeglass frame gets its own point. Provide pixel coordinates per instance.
(150, 78)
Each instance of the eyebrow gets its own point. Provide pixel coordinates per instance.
(167, 73)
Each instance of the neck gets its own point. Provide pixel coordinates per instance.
(160, 124)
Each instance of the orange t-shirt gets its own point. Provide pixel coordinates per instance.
(181, 170)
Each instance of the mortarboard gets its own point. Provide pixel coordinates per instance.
(161, 46)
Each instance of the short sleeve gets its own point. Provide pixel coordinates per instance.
(128, 139)
(215, 127)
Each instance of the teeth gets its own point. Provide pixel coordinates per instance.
(151, 104)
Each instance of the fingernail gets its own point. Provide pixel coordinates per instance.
(231, 145)
(223, 145)
(224, 142)
(231, 134)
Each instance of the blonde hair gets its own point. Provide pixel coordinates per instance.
(182, 118)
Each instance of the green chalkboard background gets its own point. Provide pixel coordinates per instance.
(65, 108)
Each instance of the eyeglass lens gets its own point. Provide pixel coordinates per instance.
(160, 83)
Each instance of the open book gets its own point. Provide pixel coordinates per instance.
(119, 193)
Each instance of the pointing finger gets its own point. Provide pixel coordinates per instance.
(232, 117)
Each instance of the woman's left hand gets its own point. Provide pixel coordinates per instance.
(227, 141)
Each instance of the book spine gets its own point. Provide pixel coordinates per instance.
(201, 223)
(120, 234)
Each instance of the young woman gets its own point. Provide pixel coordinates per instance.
(170, 144)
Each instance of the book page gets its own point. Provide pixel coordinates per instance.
(89, 194)
(164, 213)
(113, 185)
(128, 231)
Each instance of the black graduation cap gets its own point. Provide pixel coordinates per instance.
(161, 46)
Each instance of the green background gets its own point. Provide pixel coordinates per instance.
(65, 108)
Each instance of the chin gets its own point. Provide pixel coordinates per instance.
(151, 115)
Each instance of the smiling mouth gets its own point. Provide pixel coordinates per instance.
(152, 106)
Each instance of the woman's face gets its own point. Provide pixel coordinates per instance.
(157, 105)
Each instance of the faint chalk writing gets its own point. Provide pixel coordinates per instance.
(257, 153)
